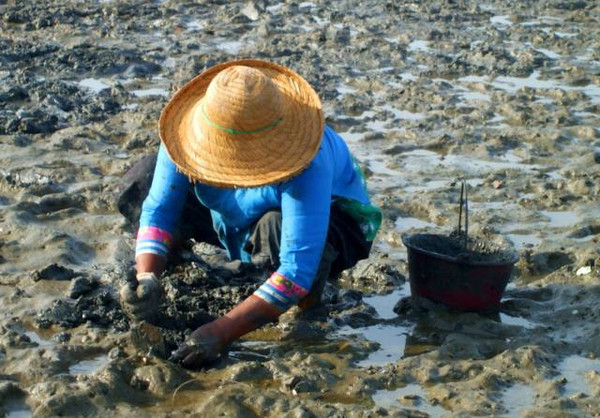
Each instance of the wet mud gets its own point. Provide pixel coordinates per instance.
(504, 95)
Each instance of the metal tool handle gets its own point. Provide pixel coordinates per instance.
(464, 201)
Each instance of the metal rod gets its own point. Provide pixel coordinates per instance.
(460, 206)
(466, 186)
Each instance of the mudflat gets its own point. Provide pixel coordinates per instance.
(503, 94)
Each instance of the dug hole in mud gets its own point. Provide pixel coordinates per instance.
(504, 95)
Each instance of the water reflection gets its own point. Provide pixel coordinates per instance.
(517, 399)
(391, 340)
(516, 321)
(384, 304)
(86, 367)
(574, 369)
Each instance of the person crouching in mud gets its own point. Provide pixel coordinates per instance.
(247, 162)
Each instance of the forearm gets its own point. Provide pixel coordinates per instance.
(150, 263)
(249, 315)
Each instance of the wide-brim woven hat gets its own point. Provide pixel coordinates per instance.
(243, 123)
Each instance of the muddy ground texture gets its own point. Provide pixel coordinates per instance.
(503, 94)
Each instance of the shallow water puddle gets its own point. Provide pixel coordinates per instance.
(561, 219)
(546, 20)
(344, 89)
(194, 25)
(584, 239)
(404, 224)
(416, 160)
(36, 338)
(565, 34)
(150, 92)
(521, 241)
(274, 8)
(503, 20)
(17, 409)
(494, 206)
(550, 54)
(391, 340)
(402, 114)
(248, 355)
(253, 350)
(340, 26)
(513, 84)
(93, 84)
(574, 369)
(516, 231)
(474, 96)
(427, 186)
(393, 252)
(433, 185)
(407, 76)
(33, 336)
(410, 396)
(384, 304)
(86, 367)
(379, 167)
(231, 47)
(517, 321)
(418, 45)
(517, 398)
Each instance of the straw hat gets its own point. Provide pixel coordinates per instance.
(242, 124)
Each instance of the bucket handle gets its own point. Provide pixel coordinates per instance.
(464, 201)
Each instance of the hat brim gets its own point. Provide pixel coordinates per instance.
(212, 157)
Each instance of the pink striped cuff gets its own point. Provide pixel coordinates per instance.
(153, 240)
(286, 287)
(155, 234)
(280, 291)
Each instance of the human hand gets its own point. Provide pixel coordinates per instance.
(206, 343)
(140, 298)
(200, 347)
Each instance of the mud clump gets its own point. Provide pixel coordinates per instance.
(99, 308)
(54, 272)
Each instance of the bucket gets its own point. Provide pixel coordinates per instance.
(440, 269)
(460, 272)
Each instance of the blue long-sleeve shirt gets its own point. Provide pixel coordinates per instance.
(304, 202)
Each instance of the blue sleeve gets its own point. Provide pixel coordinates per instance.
(162, 208)
(305, 207)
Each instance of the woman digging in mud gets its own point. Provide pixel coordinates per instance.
(247, 162)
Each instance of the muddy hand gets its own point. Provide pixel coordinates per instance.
(140, 299)
(197, 350)
(206, 343)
